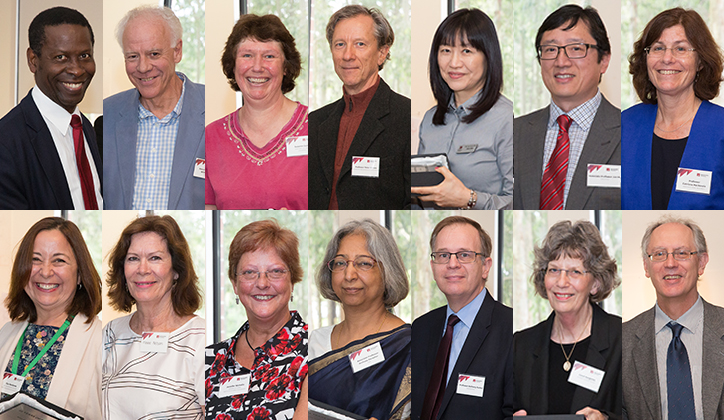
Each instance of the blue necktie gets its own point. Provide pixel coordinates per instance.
(678, 378)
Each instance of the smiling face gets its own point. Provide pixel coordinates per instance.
(674, 281)
(356, 287)
(54, 274)
(259, 69)
(572, 82)
(356, 54)
(150, 58)
(463, 68)
(149, 269)
(265, 300)
(65, 67)
(565, 294)
(460, 283)
(671, 75)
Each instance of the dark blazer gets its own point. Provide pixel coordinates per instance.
(704, 151)
(603, 146)
(531, 366)
(31, 173)
(641, 395)
(488, 352)
(385, 133)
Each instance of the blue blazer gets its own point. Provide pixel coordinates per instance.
(704, 151)
(120, 129)
(31, 173)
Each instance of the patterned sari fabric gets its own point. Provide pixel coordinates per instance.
(279, 369)
(381, 390)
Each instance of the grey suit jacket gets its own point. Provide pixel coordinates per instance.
(120, 131)
(641, 396)
(603, 146)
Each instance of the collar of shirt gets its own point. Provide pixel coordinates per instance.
(582, 115)
(144, 113)
(355, 104)
(463, 109)
(54, 113)
(468, 312)
(691, 320)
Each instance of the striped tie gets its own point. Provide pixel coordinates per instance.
(554, 176)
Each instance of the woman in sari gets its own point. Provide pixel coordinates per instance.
(365, 273)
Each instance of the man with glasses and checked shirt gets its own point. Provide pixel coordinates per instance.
(462, 353)
(673, 354)
(568, 155)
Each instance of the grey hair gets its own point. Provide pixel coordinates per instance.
(697, 233)
(382, 247)
(580, 240)
(148, 11)
(383, 31)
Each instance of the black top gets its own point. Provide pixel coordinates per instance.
(560, 402)
(665, 159)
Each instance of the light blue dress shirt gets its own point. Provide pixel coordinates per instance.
(460, 331)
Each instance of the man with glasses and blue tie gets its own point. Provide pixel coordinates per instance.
(568, 155)
(679, 343)
(462, 353)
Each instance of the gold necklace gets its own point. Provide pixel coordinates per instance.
(567, 364)
(378, 329)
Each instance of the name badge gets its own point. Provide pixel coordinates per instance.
(586, 376)
(200, 168)
(467, 148)
(234, 385)
(604, 176)
(12, 383)
(366, 166)
(156, 342)
(297, 146)
(693, 181)
(471, 385)
(368, 356)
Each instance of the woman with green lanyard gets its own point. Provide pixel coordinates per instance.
(51, 348)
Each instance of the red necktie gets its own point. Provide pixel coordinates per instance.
(436, 387)
(554, 176)
(86, 176)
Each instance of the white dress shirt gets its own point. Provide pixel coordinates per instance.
(58, 121)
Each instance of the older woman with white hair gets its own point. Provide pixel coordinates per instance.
(363, 271)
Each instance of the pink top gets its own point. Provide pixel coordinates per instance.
(240, 175)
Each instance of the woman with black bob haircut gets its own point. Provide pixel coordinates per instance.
(472, 122)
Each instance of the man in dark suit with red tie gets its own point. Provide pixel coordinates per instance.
(462, 353)
(49, 151)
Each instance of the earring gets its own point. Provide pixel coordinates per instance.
(237, 300)
(292, 299)
(80, 286)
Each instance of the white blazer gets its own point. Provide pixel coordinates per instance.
(76, 384)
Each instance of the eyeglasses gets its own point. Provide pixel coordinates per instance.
(362, 263)
(572, 274)
(464, 257)
(253, 275)
(680, 255)
(658, 51)
(573, 51)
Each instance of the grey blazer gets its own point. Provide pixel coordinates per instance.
(641, 396)
(603, 146)
(120, 130)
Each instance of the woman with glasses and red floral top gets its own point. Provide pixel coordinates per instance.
(260, 372)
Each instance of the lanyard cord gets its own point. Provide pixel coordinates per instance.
(32, 364)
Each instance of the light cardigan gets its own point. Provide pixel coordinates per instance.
(76, 384)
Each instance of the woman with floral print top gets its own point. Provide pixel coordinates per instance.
(260, 372)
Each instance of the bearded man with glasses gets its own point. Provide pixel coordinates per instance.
(462, 354)
(568, 155)
(678, 345)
